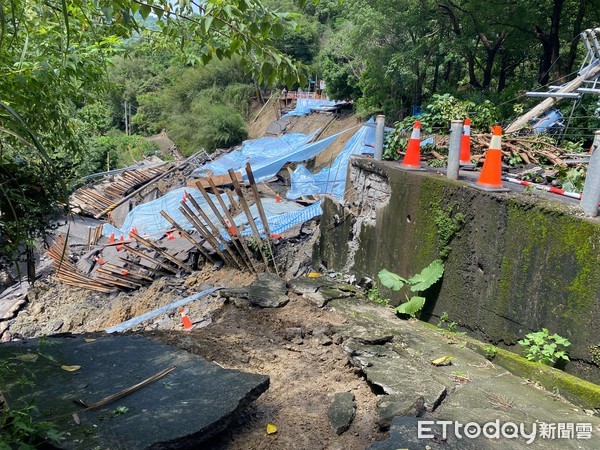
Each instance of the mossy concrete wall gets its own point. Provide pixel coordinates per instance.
(514, 263)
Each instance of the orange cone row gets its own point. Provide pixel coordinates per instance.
(490, 178)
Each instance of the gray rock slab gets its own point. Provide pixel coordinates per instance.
(189, 405)
(508, 398)
(321, 290)
(278, 127)
(305, 285)
(341, 412)
(397, 374)
(76, 227)
(476, 390)
(390, 406)
(179, 247)
(268, 291)
(12, 298)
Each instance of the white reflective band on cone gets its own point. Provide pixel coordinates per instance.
(496, 143)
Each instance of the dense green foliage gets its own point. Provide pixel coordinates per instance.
(201, 107)
(391, 55)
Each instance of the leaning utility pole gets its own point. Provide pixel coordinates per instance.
(586, 82)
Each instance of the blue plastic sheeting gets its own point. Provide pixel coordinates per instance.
(332, 180)
(304, 106)
(148, 221)
(255, 152)
(266, 155)
(551, 119)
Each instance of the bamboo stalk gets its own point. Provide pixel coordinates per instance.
(246, 208)
(221, 220)
(215, 231)
(261, 213)
(119, 278)
(236, 231)
(141, 266)
(129, 390)
(161, 252)
(149, 258)
(203, 231)
(133, 273)
(151, 181)
(187, 236)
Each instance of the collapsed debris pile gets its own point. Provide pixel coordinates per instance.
(529, 149)
(158, 222)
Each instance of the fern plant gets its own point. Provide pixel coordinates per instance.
(418, 283)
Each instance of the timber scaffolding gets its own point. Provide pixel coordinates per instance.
(128, 264)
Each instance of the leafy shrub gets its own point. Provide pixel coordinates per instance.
(438, 114)
(545, 348)
(418, 283)
(113, 151)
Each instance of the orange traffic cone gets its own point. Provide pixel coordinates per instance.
(277, 198)
(185, 320)
(230, 228)
(111, 238)
(132, 232)
(120, 246)
(170, 236)
(465, 146)
(99, 260)
(412, 158)
(490, 178)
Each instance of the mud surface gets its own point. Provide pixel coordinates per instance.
(306, 368)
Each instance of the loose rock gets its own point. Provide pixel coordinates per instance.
(341, 412)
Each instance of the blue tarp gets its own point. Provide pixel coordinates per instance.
(266, 156)
(304, 106)
(149, 222)
(332, 180)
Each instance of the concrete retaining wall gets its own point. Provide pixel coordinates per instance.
(514, 262)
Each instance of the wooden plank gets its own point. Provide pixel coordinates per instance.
(218, 180)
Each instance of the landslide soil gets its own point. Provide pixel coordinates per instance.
(303, 376)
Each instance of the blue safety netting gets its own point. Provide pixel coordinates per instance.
(149, 222)
(332, 180)
(305, 106)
